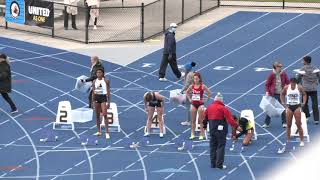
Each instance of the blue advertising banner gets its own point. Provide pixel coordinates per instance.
(15, 11)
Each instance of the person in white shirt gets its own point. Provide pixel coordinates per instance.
(291, 100)
(101, 97)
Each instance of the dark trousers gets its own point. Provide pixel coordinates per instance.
(90, 99)
(217, 142)
(89, 16)
(283, 115)
(9, 101)
(173, 64)
(66, 20)
(315, 109)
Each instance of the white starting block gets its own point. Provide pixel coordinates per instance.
(113, 119)
(294, 129)
(248, 114)
(64, 117)
(198, 127)
(83, 87)
(155, 128)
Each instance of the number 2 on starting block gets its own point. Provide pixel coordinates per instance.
(63, 119)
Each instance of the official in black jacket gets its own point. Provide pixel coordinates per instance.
(5, 81)
(95, 65)
(169, 54)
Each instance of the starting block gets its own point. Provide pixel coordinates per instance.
(155, 128)
(88, 140)
(236, 147)
(113, 119)
(143, 142)
(49, 136)
(198, 127)
(64, 117)
(248, 114)
(294, 129)
(186, 145)
(288, 147)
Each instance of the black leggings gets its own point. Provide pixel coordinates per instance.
(9, 101)
(89, 16)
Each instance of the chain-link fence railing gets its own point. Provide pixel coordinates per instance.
(118, 22)
(153, 19)
(273, 3)
(135, 22)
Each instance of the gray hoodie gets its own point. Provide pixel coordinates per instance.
(310, 79)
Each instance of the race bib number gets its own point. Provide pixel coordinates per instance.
(293, 99)
(220, 128)
(195, 97)
(98, 91)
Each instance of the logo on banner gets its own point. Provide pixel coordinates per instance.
(15, 11)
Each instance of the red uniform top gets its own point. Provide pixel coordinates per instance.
(218, 111)
(197, 95)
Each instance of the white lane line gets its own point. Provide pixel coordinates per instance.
(81, 162)
(248, 166)
(31, 141)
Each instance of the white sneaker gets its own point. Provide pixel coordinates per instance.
(223, 167)
(182, 75)
(107, 136)
(163, 79)
(301, 144)
(95, 27)
(161, 135)
(146, 134)
(265, 126)
(14, 111)
(284, 125)
(316, 122)
(185, 123)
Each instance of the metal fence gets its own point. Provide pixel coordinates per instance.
(314, 4)
(120, 23)
(138, 23)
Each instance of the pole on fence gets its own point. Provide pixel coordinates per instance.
(283, 3)
(164, 16)
(87, 25)
(182, 16)
(219, 3)
(200, 7)
(52, 29)
(142, 23)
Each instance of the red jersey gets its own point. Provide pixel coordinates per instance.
(197, 95)
(218, 111)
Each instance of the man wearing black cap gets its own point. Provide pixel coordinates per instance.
(169, 54)
(218, 117)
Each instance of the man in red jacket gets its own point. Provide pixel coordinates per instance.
(274, 85)
(218, 117)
